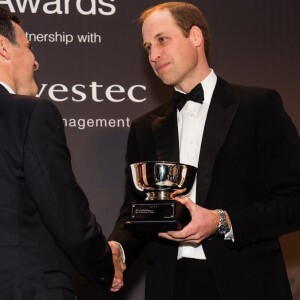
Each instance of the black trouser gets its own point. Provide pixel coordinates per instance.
(194, 281)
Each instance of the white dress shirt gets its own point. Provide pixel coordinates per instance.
(191, 120)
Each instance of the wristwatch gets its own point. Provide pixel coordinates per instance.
(222, 227)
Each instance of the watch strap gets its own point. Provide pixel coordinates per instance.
(222, 227)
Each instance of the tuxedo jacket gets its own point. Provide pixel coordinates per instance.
(249, 165)
(47, 229)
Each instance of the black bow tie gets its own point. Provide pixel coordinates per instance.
(196, 94)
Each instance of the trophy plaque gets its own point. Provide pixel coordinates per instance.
(160, 182)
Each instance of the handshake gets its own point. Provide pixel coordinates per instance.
(120, 267)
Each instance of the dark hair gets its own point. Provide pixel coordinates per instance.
(186, 16)
(6, 26)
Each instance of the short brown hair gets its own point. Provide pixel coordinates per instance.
(186, 16)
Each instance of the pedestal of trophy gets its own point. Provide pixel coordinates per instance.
(158, 216)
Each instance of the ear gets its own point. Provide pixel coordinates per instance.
(4, 46)
(196, 36)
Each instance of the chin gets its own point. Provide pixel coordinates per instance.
(167, 81)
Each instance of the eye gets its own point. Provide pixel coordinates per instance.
(147, 48)
(161, 39)
(30, 47)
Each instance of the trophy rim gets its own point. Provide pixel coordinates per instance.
(163, 162)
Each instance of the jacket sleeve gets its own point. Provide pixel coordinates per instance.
(62, 204)
(132, 244)
(278, 164)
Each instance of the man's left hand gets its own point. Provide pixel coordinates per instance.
(203, 224)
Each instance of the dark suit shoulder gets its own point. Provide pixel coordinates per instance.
(38, 106)
(15, 101)
(45, 106)
(254, 93)
(20, 113)
(22, 103)
(259, 102)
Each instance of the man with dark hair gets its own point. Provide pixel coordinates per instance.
(247, 191)
(47, 228)
(6, 25)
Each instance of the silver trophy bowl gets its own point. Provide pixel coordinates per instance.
(162, 180)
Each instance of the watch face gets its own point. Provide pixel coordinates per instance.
(223, 229)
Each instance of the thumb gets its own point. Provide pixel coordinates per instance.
(186, 201)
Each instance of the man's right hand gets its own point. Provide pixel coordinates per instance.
(119, 265)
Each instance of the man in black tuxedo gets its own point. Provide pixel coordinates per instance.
(247, 191)
(47, 228)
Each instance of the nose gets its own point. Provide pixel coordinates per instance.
(154, 54)
(36, 66)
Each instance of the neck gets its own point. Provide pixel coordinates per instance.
(189, 84)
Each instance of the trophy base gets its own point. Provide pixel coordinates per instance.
(157, 216)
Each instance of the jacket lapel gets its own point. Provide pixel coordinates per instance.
(3, 90)
(221, 113)
(165, 132)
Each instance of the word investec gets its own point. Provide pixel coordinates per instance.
(78, 92)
